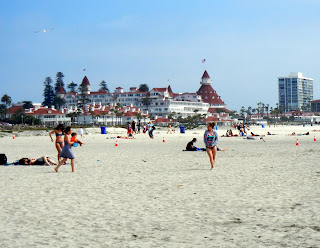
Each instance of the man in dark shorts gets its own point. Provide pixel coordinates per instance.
(190, 146)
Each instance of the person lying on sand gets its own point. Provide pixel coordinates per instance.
(44, 160)
(298, 134)
(271, 133)
(252, 134)
(122, 137)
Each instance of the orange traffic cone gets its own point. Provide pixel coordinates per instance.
(116, 143)
(314, 138)
(13, 136)
(163, 140)
(297, 143)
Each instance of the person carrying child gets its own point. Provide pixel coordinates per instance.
(66, 152)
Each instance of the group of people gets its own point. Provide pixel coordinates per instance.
(64, 144)
(65, 139)
(134, 128)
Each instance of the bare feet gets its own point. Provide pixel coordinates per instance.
(73, 171)
(56, 169)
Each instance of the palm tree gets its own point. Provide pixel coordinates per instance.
(6, 100)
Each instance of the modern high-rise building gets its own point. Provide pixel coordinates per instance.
(295, 92)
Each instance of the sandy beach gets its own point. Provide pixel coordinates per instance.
(149, 193)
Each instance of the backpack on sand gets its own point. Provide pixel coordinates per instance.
(3, 159)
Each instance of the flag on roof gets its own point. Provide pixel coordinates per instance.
(204, 60)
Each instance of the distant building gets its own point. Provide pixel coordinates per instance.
(295, 92)
(158, 102)
(315, 105)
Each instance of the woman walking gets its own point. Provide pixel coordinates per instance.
(66, 150)
(211, 141)
(59, 139)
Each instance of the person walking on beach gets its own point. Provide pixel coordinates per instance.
(59, 140)
(151, 127)
(211, 140)
(81, 132)
(139, 126)
(66, 150)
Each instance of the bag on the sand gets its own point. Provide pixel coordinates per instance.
(3, 159)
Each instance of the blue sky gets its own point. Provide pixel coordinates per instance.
(247, 44)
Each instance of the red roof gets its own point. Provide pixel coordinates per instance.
(61, 90)
(45, 111)
(211, 119)
(170, 91)
(209, 95)
(130, 114)
(160, 89)
(162, 120)
(85, 81)
(205, 74)
(14, 109)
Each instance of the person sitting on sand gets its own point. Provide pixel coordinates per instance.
(44, 160)
(190, 146)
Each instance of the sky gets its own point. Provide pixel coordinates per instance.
(247, 45)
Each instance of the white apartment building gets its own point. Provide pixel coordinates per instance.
(295, 92)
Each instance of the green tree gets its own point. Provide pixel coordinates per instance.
(27, 104)
(72, 87)
(48, 92)
(146, 101)
(58, 102)
(242, 111)
(103, 86)
(143, 88)
(6, 100)
(59, 81)
(3, 111)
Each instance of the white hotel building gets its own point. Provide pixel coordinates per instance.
(162, 101)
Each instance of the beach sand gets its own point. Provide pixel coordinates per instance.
(148, 193)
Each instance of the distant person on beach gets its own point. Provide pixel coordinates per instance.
(211, 140)
(129, 130)
(66, 152)
(190, 146)
(59, 139)
(170, 130)
(44, 160)
(151, 127)
(81, 132)
(133, 125)
(139, 126)
(123, 137)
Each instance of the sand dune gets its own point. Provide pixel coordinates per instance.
(146, 193)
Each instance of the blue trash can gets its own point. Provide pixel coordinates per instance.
(262, 126)
(103, 130)
(181, 129)
(216, 127)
